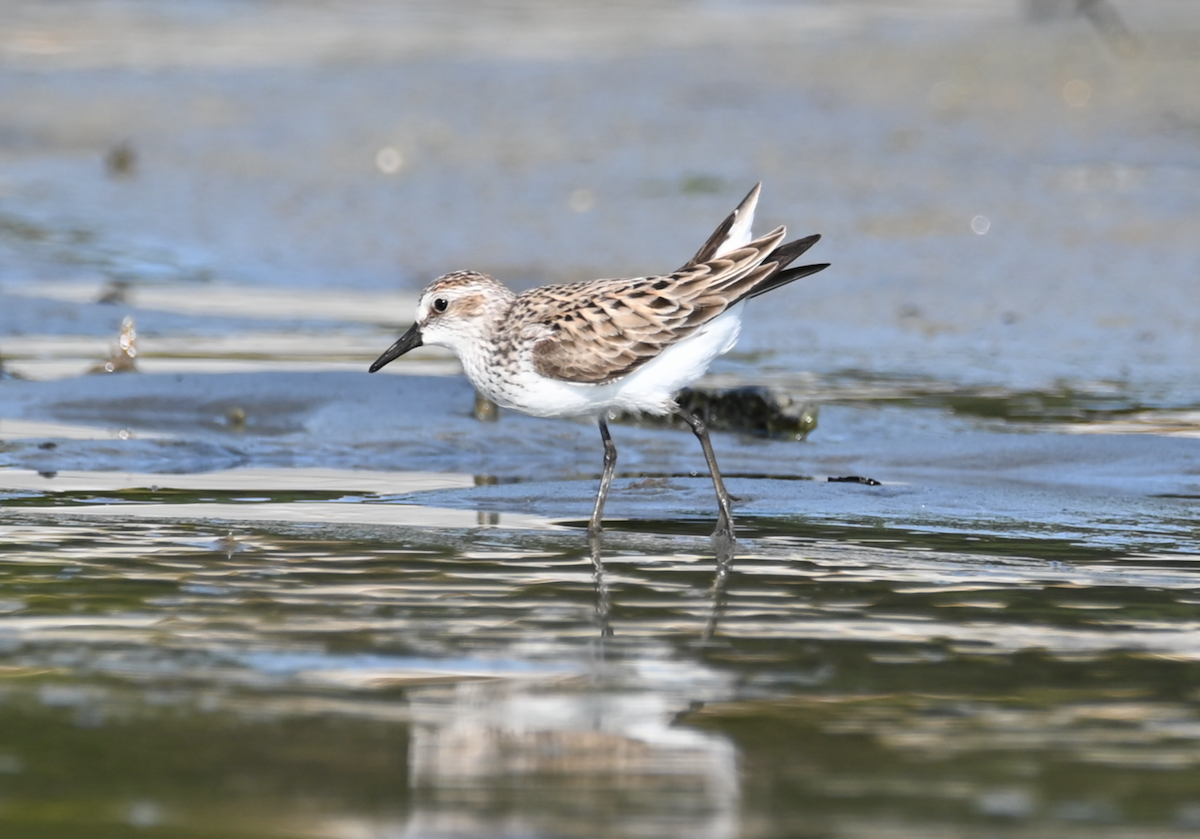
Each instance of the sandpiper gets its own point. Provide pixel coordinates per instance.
(584, 349)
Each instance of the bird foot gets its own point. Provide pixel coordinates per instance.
(724, 532)
(595, 534)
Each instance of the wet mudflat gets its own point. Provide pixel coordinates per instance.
(250, 590)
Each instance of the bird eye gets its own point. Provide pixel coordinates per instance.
(440, 304)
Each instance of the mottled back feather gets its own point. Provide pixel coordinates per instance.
(624, 323)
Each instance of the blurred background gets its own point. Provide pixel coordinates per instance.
(250, 590)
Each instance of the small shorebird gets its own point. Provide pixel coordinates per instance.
(584, 349)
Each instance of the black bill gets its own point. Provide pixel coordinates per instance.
(409, 341)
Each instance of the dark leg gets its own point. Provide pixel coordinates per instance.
(610, 466)
(603, 602)
(725, 519)
(723, 544)
(595, 530)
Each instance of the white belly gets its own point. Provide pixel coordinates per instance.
(649, 389)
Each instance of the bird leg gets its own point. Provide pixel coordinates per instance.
(723, 544)
(603, 600)
(725, 518)
(610, 466)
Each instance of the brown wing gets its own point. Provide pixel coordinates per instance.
(598, 332)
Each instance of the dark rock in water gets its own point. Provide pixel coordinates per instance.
(764, 411)
(485, 409)
(754, 409)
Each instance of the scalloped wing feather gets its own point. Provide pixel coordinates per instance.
(622, 324)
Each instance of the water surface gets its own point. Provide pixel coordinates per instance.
(250, 590)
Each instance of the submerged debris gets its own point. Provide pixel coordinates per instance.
(5, 373)
(123, 355)
(121, 161)
(114, 293)
(235, 418)
(854, 479)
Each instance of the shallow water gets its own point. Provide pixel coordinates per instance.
(251, 590)
(344, 676)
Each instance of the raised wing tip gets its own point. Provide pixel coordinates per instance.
(751, 198)
(739, 233)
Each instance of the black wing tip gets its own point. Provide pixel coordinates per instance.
(784, 277)
(804, 271)
(796, 247)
